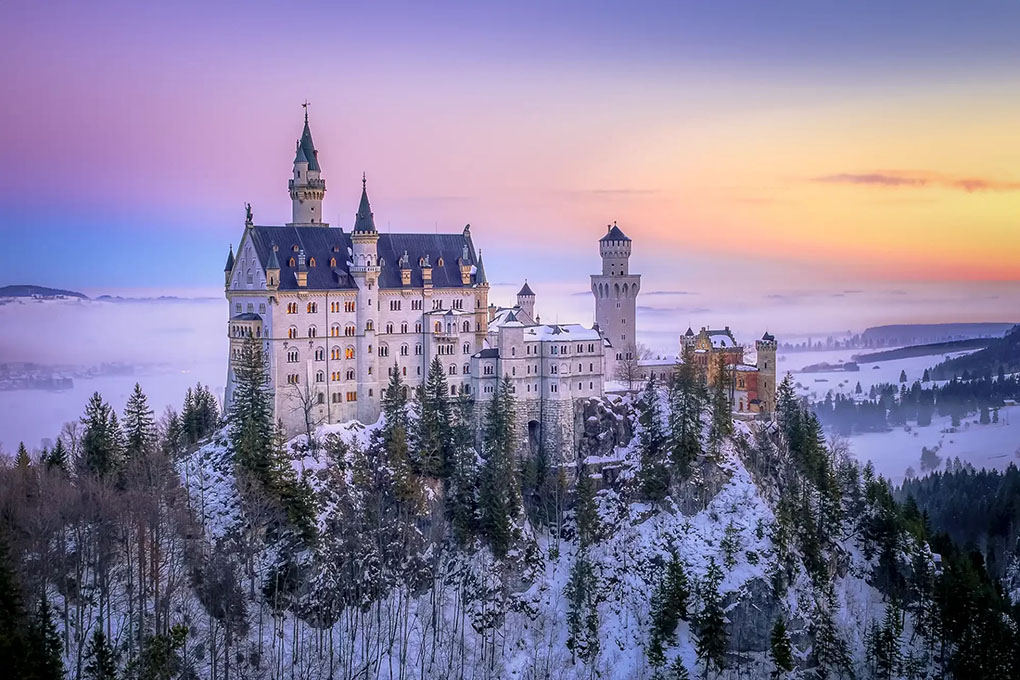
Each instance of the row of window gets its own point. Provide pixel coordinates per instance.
(250, 307)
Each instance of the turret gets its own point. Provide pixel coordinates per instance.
(307, 188)
(614, 248)
(273, 270)
(464, 264)
(615, 290)
(526, 300)
(365, 239)
(766, 348)
(227, 270)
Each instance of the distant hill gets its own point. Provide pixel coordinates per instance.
(39, 291)
(1001, 353)
(922, 334)
(924, 350)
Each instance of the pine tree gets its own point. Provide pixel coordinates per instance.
(58, 459)
(686, 402)
(926, 377)
(251, 414)
(45, 661)
(499, 496)
(14, 622)
(588, 524)
(669, 603)
(653, 473)
(722, 419)
(780, 650)
(139, 425)
(711, 624)
(903, 376)
(173, 438)
(22, 459)
(433, 440)
(582, 610)
(678, 671)
(462, 492)
(101, 658)
(101, 442)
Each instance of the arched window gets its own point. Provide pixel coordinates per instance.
(291, 262)
(334, 354)
(369, 325)
(417, 327)
(466, 349)
(312, 308)
(349, 353)
(403, 350)
(322, 398)
(403, 327)
(439, 327)
(389, 327)
(467, 369)
(350, 330)
(320, 376)
(311, 331)
(417, 349)
(292, 356)
(292, 332)
(384, 350)
(311, 262)
(320, 354)
(334, 330)
(350, 374)
(467, 326)
(452, 370)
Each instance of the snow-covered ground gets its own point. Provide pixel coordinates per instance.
(991, 446)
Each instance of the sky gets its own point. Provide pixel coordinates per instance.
(753, 145)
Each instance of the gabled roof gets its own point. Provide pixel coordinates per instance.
(306, 149)
(614, 233)
(364, 220)
(230, 260)
(690, 332)
(525, 290)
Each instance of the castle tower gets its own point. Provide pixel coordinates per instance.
(365, 270)
(767, 372)
(526, 300)
(615, 291)
(307, 188)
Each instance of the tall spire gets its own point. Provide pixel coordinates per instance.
(364, 221)
(480, 270)
(306, 148)
(306, 186)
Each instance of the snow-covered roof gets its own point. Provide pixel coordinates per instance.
(561, 332)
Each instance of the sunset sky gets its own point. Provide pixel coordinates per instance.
(772, 143)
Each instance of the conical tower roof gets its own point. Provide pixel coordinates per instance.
(230, 260)
(365, 221)
(306, 148)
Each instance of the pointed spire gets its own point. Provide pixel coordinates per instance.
(306, 148)
(525, 290)
(364, 221)
(230, 260)
(480, 270)
(274, 262)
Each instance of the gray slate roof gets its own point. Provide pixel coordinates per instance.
(230, 261)
(364, 221)
(324, 243)
(615, 234)
(525, 290)
(306, 149)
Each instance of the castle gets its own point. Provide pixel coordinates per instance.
(338, 311)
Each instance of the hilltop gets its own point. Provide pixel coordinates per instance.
(39, 291)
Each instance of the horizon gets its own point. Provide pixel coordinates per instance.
(729, 142)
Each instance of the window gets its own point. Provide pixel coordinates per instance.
(467, 369)
(332, 262)
(349, 353)
(320, 354)
(334, 354)
(349, 306)
(292, 356)
(292, 379)
(262, 308)
(554, 388)
(415, 305)
(417, 349)
(369, 325)
(437, 304)
(458, 304)
(394, 305)
(350, 330)
(237, 308)
(334, 331)
(439, 327)
(389, 327)
(311, 331)
(350, 374)
(384, 350)
(320, 376)
(417, 327)
(311, 262)
(466, 348)
(322, 398)
(452, 369)
(467, 327)
(403, 350)
(403, 327)
(336, 398)
(554, 369)
(291, 262)
(292, 332)
(312, 308)
(352, 396)
(291, 308)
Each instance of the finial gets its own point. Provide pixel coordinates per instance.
(364, 180)
(305, 107)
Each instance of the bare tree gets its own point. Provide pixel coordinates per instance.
(305, 402)
(628, 368)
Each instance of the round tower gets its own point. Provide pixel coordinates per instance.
(615, 291)
(766, 348)
(307, 188)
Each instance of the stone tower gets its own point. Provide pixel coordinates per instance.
(365, 270)
(615, 291)
(307, 188)
(526, 300)
(766, 348)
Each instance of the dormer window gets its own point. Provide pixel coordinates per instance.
(291, 262)
(295, 248)
(311, 262)
(440, 261)
(332, 262)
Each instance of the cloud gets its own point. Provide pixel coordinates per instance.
(668, 292)
(897, 178)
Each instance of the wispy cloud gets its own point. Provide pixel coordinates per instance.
(668, 292)
(898, 178)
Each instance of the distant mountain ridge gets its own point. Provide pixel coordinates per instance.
(27, 290)
(1001, 354)
(920, 334)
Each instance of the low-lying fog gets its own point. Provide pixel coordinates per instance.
(170, 345)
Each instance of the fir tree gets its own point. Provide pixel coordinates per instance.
(433, 441)
(926, 377)
(139, 425)
(14, 622)
(582, 610)
(101, 449)
(499, 495)
(58, 459)
(722, 419)
(711, 624)
(653, 473)
(686, 402)
(22, 459)
(669, 604)
(678, 671)
(587, 512)
(45, 662)
(462, 492)
(100, 657)
(251, 414)
(780, 650)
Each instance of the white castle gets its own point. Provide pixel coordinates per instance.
(338, 311)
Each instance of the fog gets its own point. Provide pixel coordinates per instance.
(170, 345)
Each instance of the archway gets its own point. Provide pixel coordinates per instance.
(534, 437)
